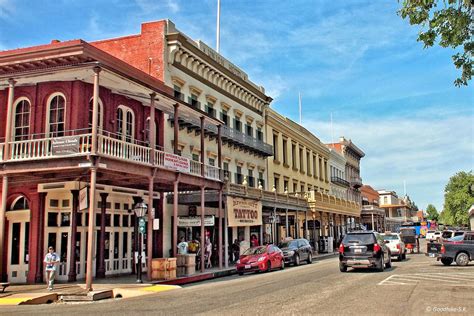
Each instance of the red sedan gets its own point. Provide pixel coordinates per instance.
(261, 258)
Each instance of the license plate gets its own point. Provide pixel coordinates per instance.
(358, 250)
(248, 266)
(432, 255)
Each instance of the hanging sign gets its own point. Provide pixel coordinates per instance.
(83, 199)
(68, 145)
(195, 221)
(176, 162)
(243, 212)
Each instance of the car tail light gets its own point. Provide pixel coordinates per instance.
(443, 249)
(398, 246)
(377, 248)
(341, 248)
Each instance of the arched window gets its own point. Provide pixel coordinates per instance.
(147, 131)
(125, 123)
(56, 111)
(21, 128)
(101, 116)
(21, 203)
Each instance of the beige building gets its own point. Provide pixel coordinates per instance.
(300, 168)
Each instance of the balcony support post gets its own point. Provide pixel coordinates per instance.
(203, 149)
(101, 257)
(90, 231)
(219, 151)
(152, 129)
(176, 129)
(203, 232)
(175, 216)
(3, 209)
(286, 223)
(95, 110)
(297, 224)
(306, 225)
(40, 237)
(8, 125)
(71, 277)
(219, 209)
(151, 216)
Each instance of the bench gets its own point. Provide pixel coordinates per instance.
(4, 285)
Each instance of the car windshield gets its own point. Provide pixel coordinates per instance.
(364, 239)
(287, 244)
(390, 237)
(408, 232)
(457, 238)
(255, 251)
(447, 234)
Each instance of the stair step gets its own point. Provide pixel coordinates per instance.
(87, 297)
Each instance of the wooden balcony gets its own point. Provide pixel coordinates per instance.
(79, 143)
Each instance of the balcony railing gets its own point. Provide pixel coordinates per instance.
(340, 181)
(228, 135)
(108, 145)
(356, 182)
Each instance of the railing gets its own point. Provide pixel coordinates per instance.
(340, 181)
(356, 181)
(107, 145)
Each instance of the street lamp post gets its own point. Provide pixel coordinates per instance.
(140, 213)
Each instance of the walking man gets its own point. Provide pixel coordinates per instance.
(51, 260)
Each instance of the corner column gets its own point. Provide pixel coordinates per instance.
(203, 156)
(175, 217)
(40, 237)
(152, 130)
(219, 210)
(175, 129)
(3, 209)
(203, 237)
(8, 123)
(95, 110)
(149, 239)
(90, 231)
(71, 277)
(103, 203)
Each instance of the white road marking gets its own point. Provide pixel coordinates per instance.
(450, 279)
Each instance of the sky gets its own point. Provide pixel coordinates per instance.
(354, 60)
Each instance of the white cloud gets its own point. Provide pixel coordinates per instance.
(6, 9)
(150, 6)
(424, 149)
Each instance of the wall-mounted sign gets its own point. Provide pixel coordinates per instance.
(65, 145)
(83, 199)
(195, 221)
(175, 162)
(244, 212)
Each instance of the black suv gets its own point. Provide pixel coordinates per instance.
(296, 250)
(364, 249)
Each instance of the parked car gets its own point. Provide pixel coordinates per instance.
(364, 249)
(410, 239)
(396, 245)
(433, 235)
(459, 249)
(297, 250)
(260, 258)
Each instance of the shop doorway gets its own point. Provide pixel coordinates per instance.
(18, 241)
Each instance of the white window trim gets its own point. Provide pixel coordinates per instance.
(101, 114)
(126, 109)
(13, 127)
(48, 106)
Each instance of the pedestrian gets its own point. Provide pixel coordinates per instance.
(51, 260)
(235, 250)
(208, 253)
(254, 241)
(183, 247)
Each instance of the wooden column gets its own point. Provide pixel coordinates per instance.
(152, 131)
(149, 239)
(95, 110)
(3, 209)
(219, 210)
(203, 149)
(101, 255)
(90, 231)
(203, 233)
(219, 151)
(40, 237)
(306, 225)
(71, 277)
(174, 245)
(297, 224)
(321, 224)
(287, 226)
(176, 130)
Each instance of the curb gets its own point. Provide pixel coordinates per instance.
(29, 299)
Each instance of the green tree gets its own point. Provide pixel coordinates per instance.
(432, 212)
(448, 23)
(458, 198)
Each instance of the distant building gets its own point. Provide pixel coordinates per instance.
(397, 210)
(372, 216)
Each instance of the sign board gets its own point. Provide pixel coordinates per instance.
(243, 212)
(176, 162)
(195, 221)
(156, 224)
(83, 199)
(65, 145)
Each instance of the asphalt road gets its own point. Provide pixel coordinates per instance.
(419, 285)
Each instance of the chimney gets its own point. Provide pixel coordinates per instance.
(55, 41)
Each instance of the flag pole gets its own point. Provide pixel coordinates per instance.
(299, 104)
(218, 25)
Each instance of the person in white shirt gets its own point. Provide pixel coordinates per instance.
(51, 260)
(183, 247)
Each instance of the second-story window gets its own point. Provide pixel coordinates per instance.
(301, 160)
(212, 162)
(147, 131)
(56, 110)
(210, 109)
(285, 152)
(237, 125)
(125, 123)
(177, 92)
(193, 101)
(248, 130)
(225, 117)
(275, 147)
(100, 108)
(239, 178)
(259, 134)
(21, 129)
(293, 156)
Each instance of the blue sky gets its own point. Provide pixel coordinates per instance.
(355, 59)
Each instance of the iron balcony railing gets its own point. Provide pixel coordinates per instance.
(340, 181)
(40, 147)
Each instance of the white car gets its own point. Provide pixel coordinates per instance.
(433, 235)
(396, 245)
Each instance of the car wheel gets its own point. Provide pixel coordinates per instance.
(389, 263)
(310, 258)
(241, 273)
(282, 264)
(446, 261)
(400, 257)
(342, 267)
(297, 260)
(404, 257)
(462, 259)
(380, 264)
(269, 266)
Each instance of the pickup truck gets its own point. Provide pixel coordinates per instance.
(459, 248)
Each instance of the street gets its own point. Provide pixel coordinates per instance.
(415, 286)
